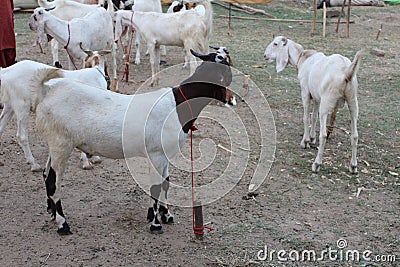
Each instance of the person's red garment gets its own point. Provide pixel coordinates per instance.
(7, 34)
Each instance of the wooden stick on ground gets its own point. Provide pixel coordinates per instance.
(348, 20)
(230, 18)
(252, 10)
(244, 9)
(324, 20)
(315, 18)
(340, 16)
(379, 32)
(278, 20)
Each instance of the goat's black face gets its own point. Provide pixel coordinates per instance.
(216, 74)
(220, 56)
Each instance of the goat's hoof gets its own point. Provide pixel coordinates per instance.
(96, 160)
(316, 167)
(353, 169)
(163, 62)
(305, 144)
(150, 214)
(57, 64)
(137, 62)
(64, 230)
(36, 168)
(166, 220)
(157, 230)
(87, 167)
(313, 140)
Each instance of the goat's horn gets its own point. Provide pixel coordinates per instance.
(89, 53)
(201, 56)
(104, 52)
(214, 47)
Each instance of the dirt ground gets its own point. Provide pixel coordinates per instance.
(295, 210)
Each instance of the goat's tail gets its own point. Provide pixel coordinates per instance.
(46, 4)
(38, 88)
(352, 70)
(44, 75)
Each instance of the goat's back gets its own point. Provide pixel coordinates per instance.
(17, 81)
(67, 9)
(319, 73)
(94, 31)
(95, 120)
(186, 24)
(147, 6)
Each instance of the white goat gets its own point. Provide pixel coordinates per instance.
(93, 32)
(144, 6)
(152, 125)
(66, 10)
(20, 93)
(325, 81)
(203, 8)
(185, 29)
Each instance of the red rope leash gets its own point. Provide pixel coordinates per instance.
(126, 70)
(66, 47)
(196, 230)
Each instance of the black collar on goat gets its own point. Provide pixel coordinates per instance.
(208, 82)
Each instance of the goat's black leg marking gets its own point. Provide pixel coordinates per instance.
(64, 230)
(55, 208)
(57, 64)
(155, 191)
(50, 181)
(166, 216)
(150, 214)
(155, 226)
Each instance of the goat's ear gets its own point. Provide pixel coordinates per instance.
(282, 58)
(284, 41)
(201, 56)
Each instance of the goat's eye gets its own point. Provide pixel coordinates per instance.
(275, 44)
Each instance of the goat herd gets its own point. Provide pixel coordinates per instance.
(87, 32)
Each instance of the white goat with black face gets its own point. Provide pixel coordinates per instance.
(153, 125)
(325, 81)
(93, 32)
(20, 92)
